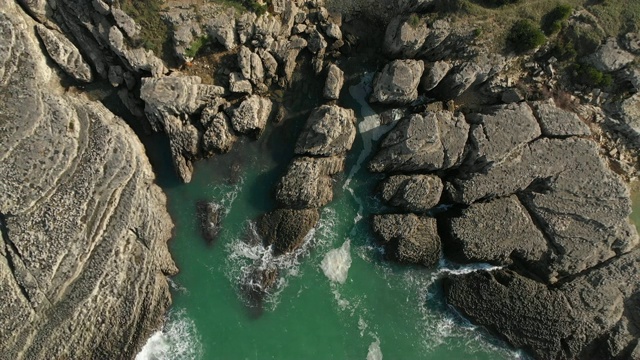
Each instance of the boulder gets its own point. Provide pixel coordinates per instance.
(433, 141)
(239, 84)
(555, 121)
(65, 54)
(610, 57)
(405, 36)
(333, 31)
(409, 238)
(218, 136)
(630, 114)
(210, 215)
(222, 28)
(330, 130)
(316, 42)
(434, 74)
(252, 115)
(245, 27)
(286, 229)
(126, 23)
(244, 61)
(498, 232)
(307, 182)
(334, 82)
(631, 42)
(398, 82)
(414, 193)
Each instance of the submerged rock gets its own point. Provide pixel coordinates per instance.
(286, 229)
(210, 215)
(329, 131)
(398, 82)
(409, 238)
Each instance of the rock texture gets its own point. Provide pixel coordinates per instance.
(83, 253)
(65, 54)
(252, 115)
(210, 215)
(409, 238)
(398, 82)
(405, 36)
(610, 57)
(334, 82)
(307, 183)
(285, 229)
(555, 121)
(414, 193)
(329, 131)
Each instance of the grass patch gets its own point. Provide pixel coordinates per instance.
(414, 20)
(525, 35)
(195, 46)
(556, 19)
(154, 33)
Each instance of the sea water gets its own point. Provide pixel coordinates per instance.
(337, 298)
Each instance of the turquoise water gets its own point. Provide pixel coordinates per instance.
(381, 309)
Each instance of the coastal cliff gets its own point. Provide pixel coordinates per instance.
(83, 249)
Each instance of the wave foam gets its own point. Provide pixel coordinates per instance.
(375, 353)
(336, 263)
(177, 340)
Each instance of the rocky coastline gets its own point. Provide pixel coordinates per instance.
(495, 157)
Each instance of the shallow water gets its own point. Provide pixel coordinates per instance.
(338, 299)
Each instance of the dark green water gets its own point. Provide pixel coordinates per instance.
(380, 310)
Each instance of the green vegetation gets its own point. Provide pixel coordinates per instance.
(525, 36)
(154, 34)
(556, 19)
(497, 3)
(196, 45)
(592, 77)
(414, 20)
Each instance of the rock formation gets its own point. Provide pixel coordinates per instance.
(83, 250)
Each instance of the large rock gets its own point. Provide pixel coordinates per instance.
(470, 73)
(501, 130)
(499, 232)
(65, 54)
(126, 23)
(555, 121)
(434, 74)
(222, 28)
(307, 182)
(334, 82)
(398, 82)
(630, 114)
(210, 215)
(610, 57)
(409, 238)
(405, 36)
(285, 229)
(218, 136)
(415, 193)
(252, 115)
(433, 141)
(330, 130)
(83, 235)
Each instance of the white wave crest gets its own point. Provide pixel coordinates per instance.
(336, 263)
(375, 353)
(177, 340)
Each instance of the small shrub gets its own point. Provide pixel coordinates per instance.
(195, 46)
(525, 35)
(590, 76)
(414, 20)
(498, 3)
(554, 21)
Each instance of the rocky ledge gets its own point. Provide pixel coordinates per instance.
(83, 254)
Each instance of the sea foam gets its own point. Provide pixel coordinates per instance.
(177, 340)
(336, 263)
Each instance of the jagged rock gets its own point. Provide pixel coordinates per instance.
(398, 82)
(501, 130)
(257, 70)
(102, 7)
(414, 193)
(307, 183)
(316, 42)
(116, 75)
(434, 74)
(286, 52)
(333, 31)
(437, 45)
(83, 224)
(245, 27)
(185, 29)
(244, 61)
(631, 42)
(268, 27)
(409, 238)
(222, 28)
(403, 37)
(286, 229)
(184, 140)
(269, 63)
(138, 59)
(218, 136)
(238, 84)
(497, 232)
(555, 121)
(210, 215)
(252, 115)
(472, 72)
(565, 322)
(630, 113)
(330, 130)
(126, 23)
(65, 54)
(610, 56)
(433, 141)
(322, 14)
(334, 82)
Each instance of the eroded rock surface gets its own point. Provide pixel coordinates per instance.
(409, 238)
(398, 82)
(307, 182)
(415, 193)
(285, 229)
(65, 54)
(330, 130)
(83, 253)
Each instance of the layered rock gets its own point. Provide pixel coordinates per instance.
(409, 238)
(65, 54)
(84, 228)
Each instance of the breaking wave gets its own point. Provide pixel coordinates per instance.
(177, 340)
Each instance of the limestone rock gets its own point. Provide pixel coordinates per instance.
(496, 232)
(252, 115)
(65, 54)
(244, 61)
(245, 27)
(316, 42)
(238, 84)
(434, 74)
(555, 121)
(398, 82)
(409, 238)
(330, 130)
(138, 59)
(414, 193)
(433, 141)
(223, 29)
(631, 42)
(334, 82)
(405, 36)
(333, 31)
(470, 73)
(84, 226)
(126, 23)
(630, 113)
(610, 57)
(218, 136)
(307, 182)
(286, 229)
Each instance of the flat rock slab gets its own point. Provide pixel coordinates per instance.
(555, 121)
(409, 238)
(414, 193)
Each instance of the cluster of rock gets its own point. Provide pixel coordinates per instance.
(83, 227)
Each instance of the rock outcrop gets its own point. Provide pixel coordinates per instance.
(252, 115)
(307, 182)
(405, 36)
(409, 238)
(285, 229)
(329, 131)
(210, 215)
(414, 193)
(65, 54)
(610, 57)
(555, 121)
(334, 82)
(398, 82)
(83, 254)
